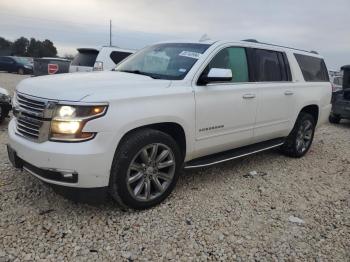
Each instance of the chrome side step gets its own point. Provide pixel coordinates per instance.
(233, 154)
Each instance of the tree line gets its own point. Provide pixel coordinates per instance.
(27, 47)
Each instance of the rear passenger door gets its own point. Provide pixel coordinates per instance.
(276, 97)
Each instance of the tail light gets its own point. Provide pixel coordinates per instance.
(98, 66)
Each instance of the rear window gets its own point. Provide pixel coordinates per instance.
(118, 56)
(85, 58)
(314, 69)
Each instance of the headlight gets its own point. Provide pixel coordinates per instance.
(69, 120)
(28, 66)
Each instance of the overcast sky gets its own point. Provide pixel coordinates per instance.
(308, 24)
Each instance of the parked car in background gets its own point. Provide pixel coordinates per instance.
(130, 131)
(14, 64)
(341, 99)
(104, 59)
(29, 59)
(50, 66)
(5, 104)
(337, 83)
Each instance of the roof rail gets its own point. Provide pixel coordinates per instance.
(256, 41)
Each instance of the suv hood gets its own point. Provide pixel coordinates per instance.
(77, 86)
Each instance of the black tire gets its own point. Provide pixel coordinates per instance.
(126, 153)
(334, 119)
(20, 71)
(292, 147)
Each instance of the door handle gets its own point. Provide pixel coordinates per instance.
(249, 96)
(289, 93)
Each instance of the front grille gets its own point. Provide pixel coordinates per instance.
(29, 126)
(31, 104)
(32, 117)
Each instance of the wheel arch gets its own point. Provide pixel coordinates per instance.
(312, 109)
(174, 129)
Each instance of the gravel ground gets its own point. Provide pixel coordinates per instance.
(293, 209)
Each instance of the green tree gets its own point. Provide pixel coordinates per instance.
(47, 49)
(5, 46)
(34, 48)
(20, 46)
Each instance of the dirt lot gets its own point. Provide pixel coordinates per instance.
(298, 210)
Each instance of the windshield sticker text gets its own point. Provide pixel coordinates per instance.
(189, 54)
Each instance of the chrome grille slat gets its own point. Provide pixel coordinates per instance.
(30, 108)
(31, 100)
(21, 130)
(27, 127)
(30, 104)
(25, 122)
(31, 122)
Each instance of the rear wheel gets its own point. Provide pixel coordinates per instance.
(334, 119)
(300, 139)
(145, 169)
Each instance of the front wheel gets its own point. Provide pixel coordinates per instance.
(20, 71)
(300, 139)
(145, 169)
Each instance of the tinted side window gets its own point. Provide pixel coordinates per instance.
(85, 59)
(269, 66)
(233, 58)
(117, 56)
(314, 69)
(6, 60)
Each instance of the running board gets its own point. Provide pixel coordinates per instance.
(234, 153)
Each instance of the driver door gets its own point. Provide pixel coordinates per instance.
(225, 111)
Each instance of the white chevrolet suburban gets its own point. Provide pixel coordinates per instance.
(128, 133)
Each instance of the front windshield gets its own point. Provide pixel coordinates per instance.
(164, 61)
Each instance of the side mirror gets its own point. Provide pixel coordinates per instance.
(216, 75)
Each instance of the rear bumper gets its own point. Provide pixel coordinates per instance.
(85, 165)
(342, 109)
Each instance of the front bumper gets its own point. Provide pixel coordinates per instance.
(85, 165)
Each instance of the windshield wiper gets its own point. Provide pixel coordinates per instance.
(138, 72)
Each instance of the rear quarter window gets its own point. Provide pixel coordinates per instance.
(85, 58)
(118, 56)
(313, 68)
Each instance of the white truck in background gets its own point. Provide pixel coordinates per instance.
(103, 59)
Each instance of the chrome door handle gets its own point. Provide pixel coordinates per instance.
(289, 93)
(249, 96)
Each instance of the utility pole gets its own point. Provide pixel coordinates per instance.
(110, 32)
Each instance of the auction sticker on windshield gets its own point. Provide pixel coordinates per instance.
(190, 54)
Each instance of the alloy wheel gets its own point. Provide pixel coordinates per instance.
(151, 172)
(304, 136)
